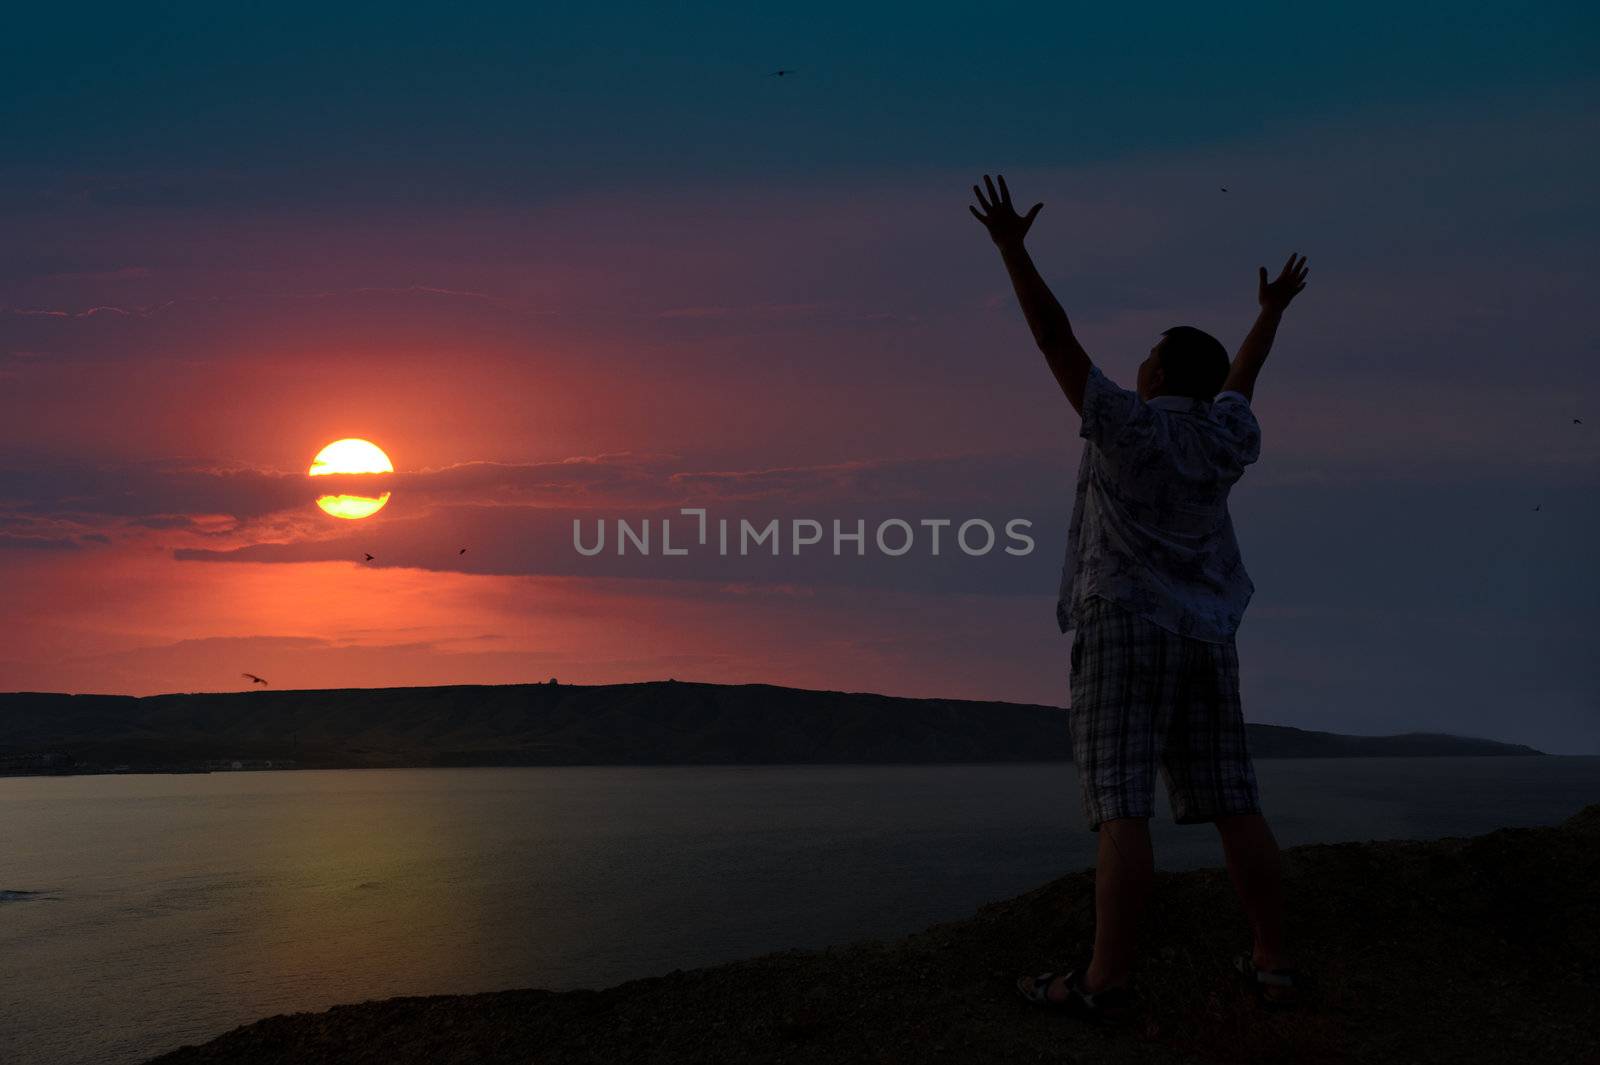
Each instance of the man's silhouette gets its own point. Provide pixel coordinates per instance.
(1154, 588)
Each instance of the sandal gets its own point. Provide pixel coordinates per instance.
(1113, 1005)
(1275, 988)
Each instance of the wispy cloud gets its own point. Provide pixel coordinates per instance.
(121, 273)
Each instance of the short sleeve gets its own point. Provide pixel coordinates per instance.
(1232, 412)
(1110, 412)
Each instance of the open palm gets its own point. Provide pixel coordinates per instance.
(1005, 226)
(1277, 294)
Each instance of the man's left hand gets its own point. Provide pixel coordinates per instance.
(1005, 226)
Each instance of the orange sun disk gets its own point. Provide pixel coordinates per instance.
(351, 455)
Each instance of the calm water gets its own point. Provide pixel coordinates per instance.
(138, 913)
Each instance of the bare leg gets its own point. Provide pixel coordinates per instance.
(1123, 872)
(1252, 855)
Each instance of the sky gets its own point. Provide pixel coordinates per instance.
(598, 264)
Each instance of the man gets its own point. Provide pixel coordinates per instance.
(1154, 587)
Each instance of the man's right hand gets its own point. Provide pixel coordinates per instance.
(1275, 295)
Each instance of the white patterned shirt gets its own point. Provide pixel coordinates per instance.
(1150, 527)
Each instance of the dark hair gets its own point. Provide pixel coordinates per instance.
(1194, 363)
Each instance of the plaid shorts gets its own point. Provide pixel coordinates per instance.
(1142, 694)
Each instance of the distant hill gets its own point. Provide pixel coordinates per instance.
(655, 723)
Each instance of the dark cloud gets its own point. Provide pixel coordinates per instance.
(10, 542)
(157, 495)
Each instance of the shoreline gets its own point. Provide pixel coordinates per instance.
(157, 772)
(1463, 949)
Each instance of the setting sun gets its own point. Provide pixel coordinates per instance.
(351, 456)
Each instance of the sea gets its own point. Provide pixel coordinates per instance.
(139, 913)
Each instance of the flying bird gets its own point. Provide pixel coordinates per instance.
(366, 557)
(1536, 507)
(1224, 188)
(1577, 421)
(252, 678)
(779, 73)
(462, 551)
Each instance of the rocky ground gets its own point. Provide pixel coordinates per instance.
(1461, 950)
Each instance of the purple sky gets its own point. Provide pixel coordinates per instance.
(571, 271)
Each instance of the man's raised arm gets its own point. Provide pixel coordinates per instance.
(1051, 329)
(1274, 297)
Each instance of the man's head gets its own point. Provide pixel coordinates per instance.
(1185, 362)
